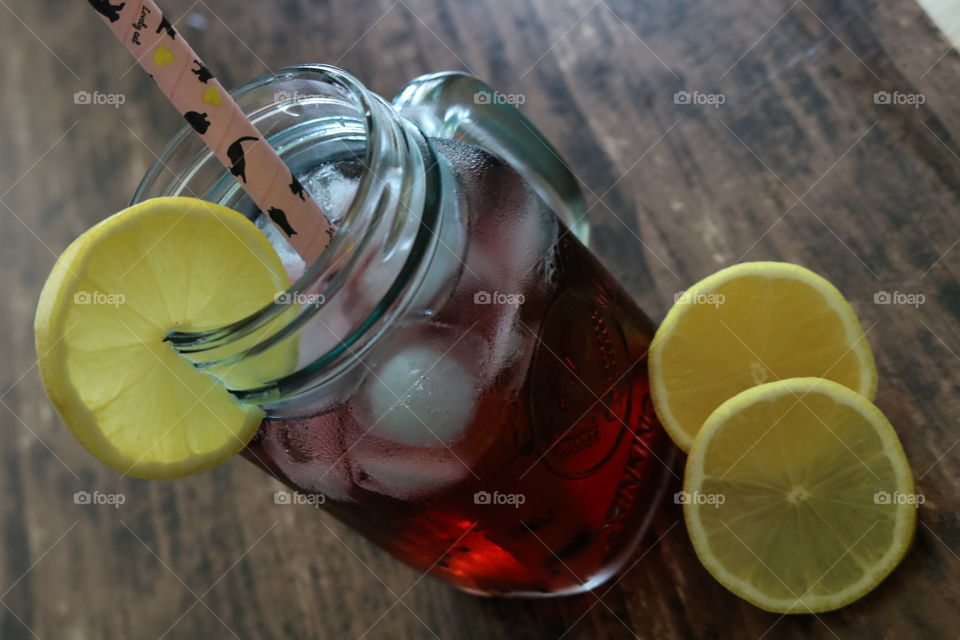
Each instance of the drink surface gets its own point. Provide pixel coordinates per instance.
(505, 440)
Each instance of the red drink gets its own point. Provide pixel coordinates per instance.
(470, 390)
(548, 486)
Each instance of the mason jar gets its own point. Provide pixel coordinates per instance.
(470, 389)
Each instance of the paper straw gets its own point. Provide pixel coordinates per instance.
(163, 53)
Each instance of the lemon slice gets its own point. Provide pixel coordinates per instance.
(749, 324)
(112, 297)
(798, 497)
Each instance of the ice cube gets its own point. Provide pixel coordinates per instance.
(403, 471)
(310, 452)
(444, 270)
(420, 396)
(377, 275)
(510, 343)
(446, 262)
(324, 331)
(292, 262)
(505, 255)
(439, 272)
(333, 187)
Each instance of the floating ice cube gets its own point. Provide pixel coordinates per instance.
(377, 276)
(444, 270)
(504, 255)
(324, 331)
(440, 268)
(292, 262)
(333, 190)
(333, 187)
(403, 471)
(509, 344)
(310, 453)
(446, 262)
(420, 396)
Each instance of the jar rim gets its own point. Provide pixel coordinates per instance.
(325, 72)
(371, 112)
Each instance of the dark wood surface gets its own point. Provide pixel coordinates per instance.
(798, 164)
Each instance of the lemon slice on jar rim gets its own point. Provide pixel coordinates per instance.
(111, 299)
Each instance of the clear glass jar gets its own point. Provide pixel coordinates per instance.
(471, 389)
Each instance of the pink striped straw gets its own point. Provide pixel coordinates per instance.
(219, 121)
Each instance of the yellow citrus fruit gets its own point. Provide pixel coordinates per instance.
(110, 300)
(798, 497)
(749, 324)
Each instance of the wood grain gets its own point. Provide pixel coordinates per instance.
(799, 163)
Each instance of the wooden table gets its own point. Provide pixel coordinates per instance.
(799, 163)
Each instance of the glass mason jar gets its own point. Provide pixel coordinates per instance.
(471, 387)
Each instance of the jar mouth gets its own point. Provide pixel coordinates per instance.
(386, 151)
(321, 72)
